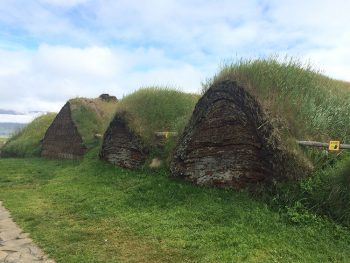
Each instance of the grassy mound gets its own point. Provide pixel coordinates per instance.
(312, 105)
(303, 105)
(157, 109)
(91, 117)
(26, 142)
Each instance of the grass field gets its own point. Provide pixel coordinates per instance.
(90, 211)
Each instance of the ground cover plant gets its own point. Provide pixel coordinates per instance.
(90, 211)
(26, 142)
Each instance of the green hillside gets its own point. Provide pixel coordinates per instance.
(304, 103)
(26, 142)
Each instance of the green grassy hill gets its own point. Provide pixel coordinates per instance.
(304, 103)
(26, 142)
(157, 109)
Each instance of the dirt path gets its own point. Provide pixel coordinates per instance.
(16, 246)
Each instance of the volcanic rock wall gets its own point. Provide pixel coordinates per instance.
(121, 146)
(228, 141)
(62, 139)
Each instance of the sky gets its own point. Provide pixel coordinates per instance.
(53, 50)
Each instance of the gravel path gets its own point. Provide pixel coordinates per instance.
(16, 246)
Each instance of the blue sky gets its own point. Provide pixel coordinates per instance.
(52, 50)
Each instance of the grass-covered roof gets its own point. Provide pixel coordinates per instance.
(91, 116)
(153, 109)
(26, 142)
(308, 104)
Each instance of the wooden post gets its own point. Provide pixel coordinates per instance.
(321, 144)
(165, 134)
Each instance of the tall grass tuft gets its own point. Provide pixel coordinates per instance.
(312, 105)
(157, 109)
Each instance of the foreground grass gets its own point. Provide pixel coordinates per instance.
(89, 211)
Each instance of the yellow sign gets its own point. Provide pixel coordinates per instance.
(334, 145)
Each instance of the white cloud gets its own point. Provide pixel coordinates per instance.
(333, 61)
(25, 118)
(45, 78)
(68, 61)
(66, 48)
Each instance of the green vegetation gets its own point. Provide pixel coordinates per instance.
(90, 211)
(157, 109)
(326, 192)
(26, 142)
(2, 141)
(308, 104)
(92, 116)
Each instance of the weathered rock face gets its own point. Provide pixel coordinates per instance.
(62, 139)
(108, 98)
(122, 147)
(227, 142)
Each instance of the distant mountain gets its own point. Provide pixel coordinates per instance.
(10, 112)
(8, 128)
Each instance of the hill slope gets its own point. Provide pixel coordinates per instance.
(26, 142)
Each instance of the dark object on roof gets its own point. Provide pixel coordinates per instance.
(108, 98)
